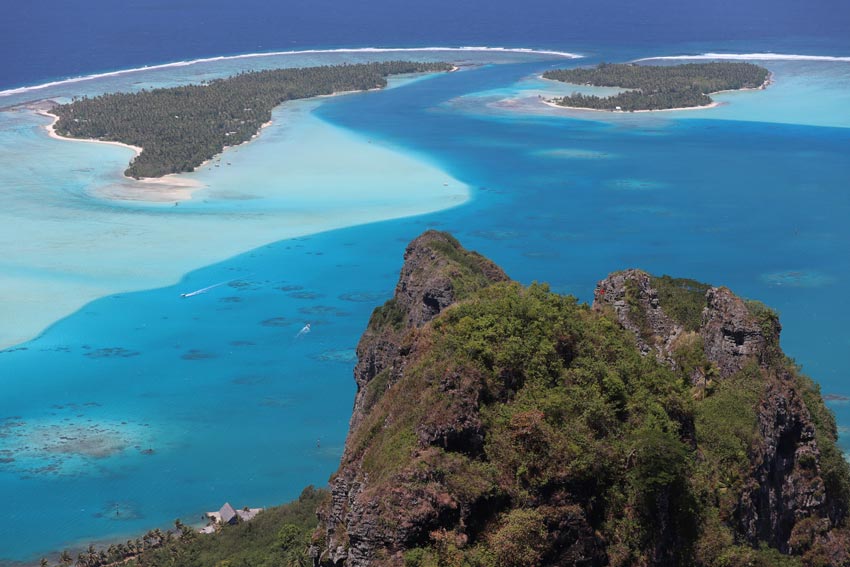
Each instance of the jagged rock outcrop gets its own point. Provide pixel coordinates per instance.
(785, 485)
(437, 271)
(636, 304)
(500, 425)
(733, 335)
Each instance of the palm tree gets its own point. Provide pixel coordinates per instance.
(43, 562)
(65, 558)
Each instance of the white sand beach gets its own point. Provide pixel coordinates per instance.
(165, 189)
(562, 107)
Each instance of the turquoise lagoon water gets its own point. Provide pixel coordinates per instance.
(140, 407)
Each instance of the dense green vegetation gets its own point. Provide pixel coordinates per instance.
(578, 425)
(277, 537)
(832, 461)
(571, 407)
(575, 410)
(656, 87)
(181, 127)
(387, 315)
(682, 299)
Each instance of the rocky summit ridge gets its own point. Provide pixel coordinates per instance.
(499, 425)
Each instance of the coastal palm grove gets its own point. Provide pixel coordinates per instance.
(179, 128)
(657, 87)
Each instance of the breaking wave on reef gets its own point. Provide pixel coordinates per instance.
(21, 90)
(748, 57)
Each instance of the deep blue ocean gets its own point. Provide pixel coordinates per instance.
(59, 39)
(179, 405)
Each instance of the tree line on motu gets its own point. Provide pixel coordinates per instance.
(181, 127)
(657, 87)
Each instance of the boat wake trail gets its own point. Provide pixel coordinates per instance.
(204, 289)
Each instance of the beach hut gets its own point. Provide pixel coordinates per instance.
(227, 515)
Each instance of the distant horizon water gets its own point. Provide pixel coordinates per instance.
(68, 39)
(692, 55)
(353, 50)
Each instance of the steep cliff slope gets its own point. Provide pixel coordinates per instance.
(502, 425)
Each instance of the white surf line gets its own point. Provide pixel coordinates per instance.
(749, 57)
(21, 90)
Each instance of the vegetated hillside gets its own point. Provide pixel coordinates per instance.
(502, 425)
(657, 87)
(277, 537)
(181, 127)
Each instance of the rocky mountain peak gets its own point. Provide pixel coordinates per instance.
(501, 425)
(660, 310)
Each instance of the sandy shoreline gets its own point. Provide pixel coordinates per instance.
(166, 189)
(263, 126)
(51, 131)
(556, 105)
(217, 157)
(767, 82)
(171, 187)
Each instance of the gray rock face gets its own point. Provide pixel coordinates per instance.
(731, 334)
(426, 286)
(436, 273)
(786, 484)
(631, 290)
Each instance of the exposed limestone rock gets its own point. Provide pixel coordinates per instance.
(786, 484)
(732, 335)
(437, 271)
(637, 307)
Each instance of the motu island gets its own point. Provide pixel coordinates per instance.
(179, 128)
(658, 87)
(502, 425)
